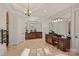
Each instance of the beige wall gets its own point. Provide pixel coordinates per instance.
(2, 26)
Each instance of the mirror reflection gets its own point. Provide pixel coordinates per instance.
(33, 26)
(60, 26)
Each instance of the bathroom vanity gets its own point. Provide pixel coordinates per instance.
(59, 42)
(33, 35)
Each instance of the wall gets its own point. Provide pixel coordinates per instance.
(2, 26)
(16, 28)
(2, 49)
(2, 18)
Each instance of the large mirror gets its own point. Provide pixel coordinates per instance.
(60, 26)
(33, 26)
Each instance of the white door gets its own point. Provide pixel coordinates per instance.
(77, 29)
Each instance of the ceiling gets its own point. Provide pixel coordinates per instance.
(40, 10)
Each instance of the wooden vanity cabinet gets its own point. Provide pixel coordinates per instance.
(49, 39)
(33, 35)
(61, 43)
(64, 44)
(56, 41)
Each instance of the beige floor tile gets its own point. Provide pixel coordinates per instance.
(33, 52)
(36, 47)
(25, 52)
(40, 52)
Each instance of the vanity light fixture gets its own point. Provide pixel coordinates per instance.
(57, 20)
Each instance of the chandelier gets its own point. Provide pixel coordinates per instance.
(27, 11)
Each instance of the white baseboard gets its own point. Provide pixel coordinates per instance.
(15, 44)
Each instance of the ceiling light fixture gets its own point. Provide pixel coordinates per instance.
(27, 11)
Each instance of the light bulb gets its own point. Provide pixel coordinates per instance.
(54, 21)
(60, 19)
(25, 11)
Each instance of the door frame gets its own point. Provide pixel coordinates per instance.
(7, 28)
(74, 38)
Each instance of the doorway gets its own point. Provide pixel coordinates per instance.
(76, 28)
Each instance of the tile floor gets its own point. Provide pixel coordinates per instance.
(36, 47)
